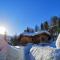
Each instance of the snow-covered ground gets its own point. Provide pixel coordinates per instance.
(50, 52)
(3, 48)
(58, 42)
(44, 53)
(15, 53)
(30, 51)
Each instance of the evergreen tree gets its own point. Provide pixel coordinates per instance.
(46, 26)
(29, 30)
(36, 28)
(59, 22)
(42, 26)
(14, 41)
(54, 20)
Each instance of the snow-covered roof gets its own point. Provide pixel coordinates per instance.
(35, 33)
(52, 26)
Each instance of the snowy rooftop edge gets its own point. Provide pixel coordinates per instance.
(35, 33)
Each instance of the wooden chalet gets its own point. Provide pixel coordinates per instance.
(35, 37)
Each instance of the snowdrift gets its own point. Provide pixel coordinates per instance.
(30, 51)
(58, 41)
(15, 53)
(44, 53)
(3, 48)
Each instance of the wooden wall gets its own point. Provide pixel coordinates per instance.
(40, 38)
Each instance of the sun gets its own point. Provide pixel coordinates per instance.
(2, 30)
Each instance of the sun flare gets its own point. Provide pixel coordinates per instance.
(2, 30)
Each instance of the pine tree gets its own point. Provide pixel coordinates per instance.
(14, 40)
(27, 29)
(36, 28)
(54, 20)
(46, 25)
(42, 27)
(59, 22)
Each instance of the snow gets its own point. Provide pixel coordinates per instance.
(27, 34)
(19, 52)
(3, 48)
(42, 51)
(50, 52)
(15, 53)
(33, 52)
(8, 52)
(53, 44)
(58, 41)
(27, 51)
(35, 33)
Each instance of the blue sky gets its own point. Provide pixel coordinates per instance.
(16, 15)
